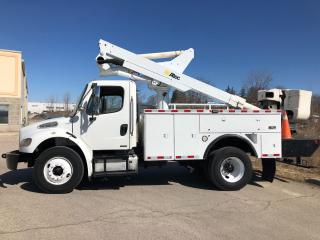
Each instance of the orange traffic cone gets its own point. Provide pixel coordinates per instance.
(285, 127)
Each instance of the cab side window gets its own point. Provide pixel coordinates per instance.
(111, 100)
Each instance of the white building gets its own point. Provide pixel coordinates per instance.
(40, 107)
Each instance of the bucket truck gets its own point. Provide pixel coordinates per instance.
(106, 136)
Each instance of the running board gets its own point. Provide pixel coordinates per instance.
(114, 173)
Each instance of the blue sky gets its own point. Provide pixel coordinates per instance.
(59, 39)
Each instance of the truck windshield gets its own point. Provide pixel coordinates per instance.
(79, 101)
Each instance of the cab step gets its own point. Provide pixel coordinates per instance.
(114, 165)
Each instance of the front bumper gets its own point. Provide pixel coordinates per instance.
(14, 157)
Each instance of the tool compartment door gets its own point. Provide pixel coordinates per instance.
(237, 123)
(271, 145)
(158, 137)
(186, 128)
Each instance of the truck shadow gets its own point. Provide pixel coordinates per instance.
(20, 176)
(167, 175)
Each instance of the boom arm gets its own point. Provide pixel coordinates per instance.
(118, 61)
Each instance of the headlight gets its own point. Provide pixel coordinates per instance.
(48, 125)
(25, 142)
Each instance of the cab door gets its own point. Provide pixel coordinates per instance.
(107, 129)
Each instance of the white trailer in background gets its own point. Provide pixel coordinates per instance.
(42, 107)
(101, 137)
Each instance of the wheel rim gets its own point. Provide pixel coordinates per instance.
(232, 169)
(58, 170)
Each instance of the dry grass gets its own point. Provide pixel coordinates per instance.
(291, 172)
(310, 129)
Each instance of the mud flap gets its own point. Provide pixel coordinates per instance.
(268, 169)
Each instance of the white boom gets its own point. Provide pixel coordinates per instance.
(114, 60)
(171, 54)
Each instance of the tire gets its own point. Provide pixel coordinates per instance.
(229, 168)
(206, 166)
(58, 170)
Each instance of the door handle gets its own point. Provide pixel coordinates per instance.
(123, 129)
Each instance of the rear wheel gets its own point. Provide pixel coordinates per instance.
(229, 168)
(58, 170)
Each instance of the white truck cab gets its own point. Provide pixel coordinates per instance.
(101, 138)
(111, 125)
(104, 119)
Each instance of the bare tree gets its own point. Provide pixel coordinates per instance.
(66, 101)
(188, 97)
(242, 92)
(178, 96)
(51, 102)
(280, 87)
(151, 100)
(230, 90)
(191, 96)
(256, 81)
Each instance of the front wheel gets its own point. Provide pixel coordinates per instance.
(229, 168)
(58, 170)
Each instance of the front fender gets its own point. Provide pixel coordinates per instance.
(45, 134)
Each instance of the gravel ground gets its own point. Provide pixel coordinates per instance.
(159, 203)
